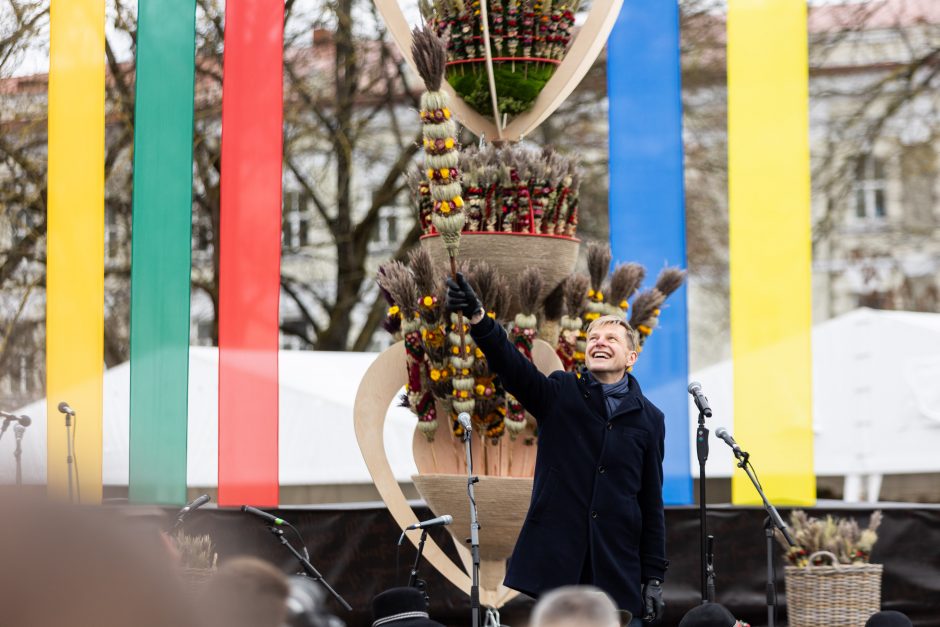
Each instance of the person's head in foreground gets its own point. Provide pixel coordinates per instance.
(889, 619)
(710, 615)
(611, 348)
(81, 566)
(575, 606)
(246, 592)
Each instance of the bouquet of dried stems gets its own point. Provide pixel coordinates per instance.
(842, 537)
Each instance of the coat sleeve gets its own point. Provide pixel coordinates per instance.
(653, 538)
(518, 375)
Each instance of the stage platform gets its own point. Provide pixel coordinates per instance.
(354, 546)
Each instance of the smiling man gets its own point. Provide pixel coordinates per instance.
(596, 514)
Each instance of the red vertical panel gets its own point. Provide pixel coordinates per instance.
(250, 250)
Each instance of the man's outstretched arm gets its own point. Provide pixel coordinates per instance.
(519, 376)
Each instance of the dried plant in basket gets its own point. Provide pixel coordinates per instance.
(843, 537)
(195, 552)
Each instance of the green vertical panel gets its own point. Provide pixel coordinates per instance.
(160, 269)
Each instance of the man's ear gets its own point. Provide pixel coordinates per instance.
(632, 357)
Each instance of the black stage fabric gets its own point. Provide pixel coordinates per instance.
(354, 546)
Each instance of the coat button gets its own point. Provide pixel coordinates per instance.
(602, 469)
(610, 426)
(593, 514)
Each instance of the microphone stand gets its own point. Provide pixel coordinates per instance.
(774, 521)
(71, 454)
(413, 581)
(18, 431)
(474, 536)
(705, 543)
(308, 568)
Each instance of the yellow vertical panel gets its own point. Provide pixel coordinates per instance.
(75, 244)
(770, 246)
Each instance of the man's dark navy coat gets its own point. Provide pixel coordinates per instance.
(597, 493)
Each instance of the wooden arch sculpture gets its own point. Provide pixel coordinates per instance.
(581, 55)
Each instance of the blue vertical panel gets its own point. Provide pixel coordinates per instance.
(647, 204)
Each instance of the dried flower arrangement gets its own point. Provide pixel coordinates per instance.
(195, 552)
(842, 537)
(513, 189)
(527, 40)
(444, 380)
(611, 296)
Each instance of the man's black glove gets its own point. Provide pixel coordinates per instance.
(653, 605)
(460, 297)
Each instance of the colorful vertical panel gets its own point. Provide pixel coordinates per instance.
(161, 253)
(647, 204)
(769, 216)
(75, 241)
(249, 284)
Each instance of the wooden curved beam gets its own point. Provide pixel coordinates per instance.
(381, 383)
(588, 43)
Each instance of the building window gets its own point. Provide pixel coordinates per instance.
(112, 233)
(387, 229)
(870, 186)
(200, 333)
(21, 379)
(202, 234)
(296, 220)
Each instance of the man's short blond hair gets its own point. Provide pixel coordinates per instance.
(575, 606)
(608, 320)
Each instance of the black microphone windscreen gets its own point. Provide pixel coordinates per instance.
(26, 421)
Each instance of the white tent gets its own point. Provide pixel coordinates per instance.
(876, 408)
(876, 396)
(317, 441)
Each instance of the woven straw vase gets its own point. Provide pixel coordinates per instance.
(511, 253)
(502, 503)
(837, 595)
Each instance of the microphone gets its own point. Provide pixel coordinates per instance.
(464, 419)
(254, 511)
(446, 519)
(722, 433)
(23, 421)
(8, 418)
(65, 409)
(194, 504)
(695, 389)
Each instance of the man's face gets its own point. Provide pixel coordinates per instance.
(608, 350)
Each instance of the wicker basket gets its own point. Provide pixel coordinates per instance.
(837, 595)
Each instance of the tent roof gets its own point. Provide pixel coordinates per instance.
(316, 435)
